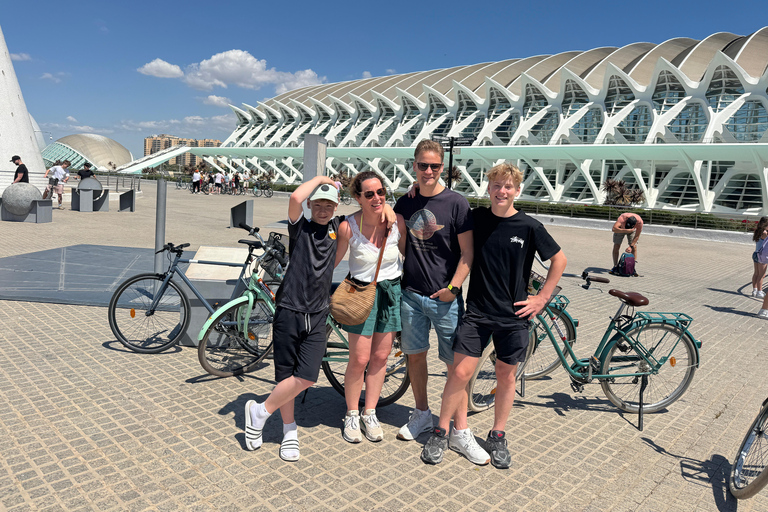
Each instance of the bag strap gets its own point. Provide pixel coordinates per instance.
(381, 256)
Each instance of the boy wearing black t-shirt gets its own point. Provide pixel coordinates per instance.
(498, 305)
(302, 303)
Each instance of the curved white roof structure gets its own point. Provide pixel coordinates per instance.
(98, 150)
(684, 120)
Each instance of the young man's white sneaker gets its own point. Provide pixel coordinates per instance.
(763, 313)
(371, 426)
(419, 423)
(351, 431)
(760, 294)
(464, 442)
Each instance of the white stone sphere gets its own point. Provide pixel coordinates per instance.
(18, 198)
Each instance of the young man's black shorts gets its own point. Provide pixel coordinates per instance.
(299, 344)
(509, 338)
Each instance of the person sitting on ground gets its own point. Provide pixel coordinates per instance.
(300, 317)
(759, 237)
(370, 342)
(630, 225)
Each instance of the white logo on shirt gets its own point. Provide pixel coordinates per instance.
(516, 240)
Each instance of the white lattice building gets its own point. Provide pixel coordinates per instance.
(684, 120)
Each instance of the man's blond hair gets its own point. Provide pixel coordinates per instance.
(429, 145)
(504, 172)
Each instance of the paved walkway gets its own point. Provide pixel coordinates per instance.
(87, 425)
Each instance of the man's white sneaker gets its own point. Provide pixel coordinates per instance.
(351, 431)
(763, 313)
(464, 442)
(371, 426)
(419, 423)
(760, 294)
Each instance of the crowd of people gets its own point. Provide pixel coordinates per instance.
(220, 182)
(428, 245)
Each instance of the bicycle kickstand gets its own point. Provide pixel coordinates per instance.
(522, 387)
(643, 385)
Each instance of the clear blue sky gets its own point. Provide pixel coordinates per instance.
(131, 69)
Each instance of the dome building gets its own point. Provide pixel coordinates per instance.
(101, 152)
(685, 121)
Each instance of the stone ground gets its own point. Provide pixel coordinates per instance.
(88, 425)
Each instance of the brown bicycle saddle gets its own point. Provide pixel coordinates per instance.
(631, 298)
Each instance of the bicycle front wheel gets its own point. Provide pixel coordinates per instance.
(667, 344)
(396, 380)
(482, 386)
(544, 359)
(748, 473)
(268, 192)
(140, 329)
(227, 350)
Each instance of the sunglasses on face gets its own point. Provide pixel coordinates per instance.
(423, 166)
(369, 194)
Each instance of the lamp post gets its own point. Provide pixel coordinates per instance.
(453, 142)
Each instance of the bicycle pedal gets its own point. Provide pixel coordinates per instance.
(594, 363)
(576, 387)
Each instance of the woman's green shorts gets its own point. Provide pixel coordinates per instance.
(385, 314)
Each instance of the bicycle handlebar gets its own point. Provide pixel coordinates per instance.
(172, 248)
(599, 279)
(248, 228)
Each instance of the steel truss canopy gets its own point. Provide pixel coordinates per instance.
(684, 120)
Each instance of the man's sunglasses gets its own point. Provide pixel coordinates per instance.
(369, 194)
(423, 166)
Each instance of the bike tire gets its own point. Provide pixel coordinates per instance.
(268, 192)
(148, 334)
(257, 192)
(748, 473)
(667, 385)
(544, 359)
(396, 381)
(481, 388)
(224, 352)
(206, 189)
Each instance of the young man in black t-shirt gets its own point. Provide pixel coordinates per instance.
(498, 305)
(85, 172)
(22, 174)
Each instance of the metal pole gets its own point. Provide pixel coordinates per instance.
(160, 225)
(450, 161)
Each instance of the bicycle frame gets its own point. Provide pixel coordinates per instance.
(175, 269)
(608, 341)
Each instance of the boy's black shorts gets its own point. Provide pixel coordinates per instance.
(509, 338)
(299, 344)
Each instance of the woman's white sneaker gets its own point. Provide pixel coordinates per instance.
(371, 426)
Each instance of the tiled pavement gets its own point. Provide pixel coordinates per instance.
(87, 425)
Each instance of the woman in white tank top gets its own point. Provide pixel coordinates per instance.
(370, 342)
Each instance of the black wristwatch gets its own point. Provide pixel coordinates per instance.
(454, 289)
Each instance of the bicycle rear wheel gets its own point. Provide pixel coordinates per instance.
(544, 359)
(482, 386)
(748, 473)
(138, 329)
(672, 379)
(396, 380)
(226, 350)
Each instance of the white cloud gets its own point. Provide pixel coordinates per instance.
(391, 71)
(233, 67)
(194, 120)
(217, 101)
(52, 78)
(71, 119)
(83, 128)
(367, 74)
(161, 69)
(20, 56)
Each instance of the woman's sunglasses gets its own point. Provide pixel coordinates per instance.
(369, 194)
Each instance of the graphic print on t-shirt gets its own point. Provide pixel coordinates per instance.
(423, 224)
